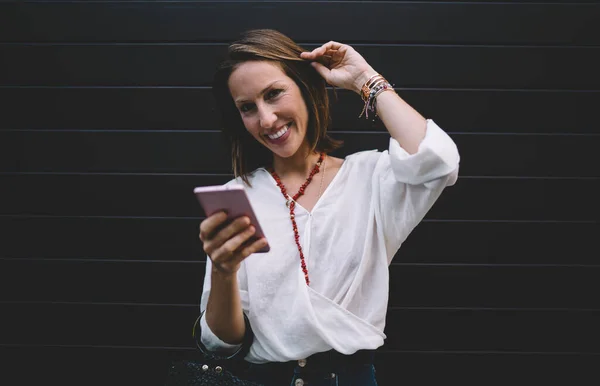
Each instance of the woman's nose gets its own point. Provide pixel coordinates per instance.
(267, 117)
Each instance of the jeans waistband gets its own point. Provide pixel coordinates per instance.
(324, 362)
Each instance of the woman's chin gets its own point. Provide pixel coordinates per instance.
(286, 149)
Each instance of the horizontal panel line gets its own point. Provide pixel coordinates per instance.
(395, 88)
(501, 309)
(517, 221)
(200, 262)
(333, 131)
(392, 308)
(124, 304)
(74, 346)
(300, 42)
(100, 260)
(225, 175)
(383, 351)
(105, 87)
(30, 215)
(187, 2)
(497, 133)
(497, 265)
(492, 352)
(527, 178)
(113, 174)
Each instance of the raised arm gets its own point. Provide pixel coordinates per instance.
(421, 160)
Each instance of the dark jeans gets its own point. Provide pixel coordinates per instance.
(324, 369)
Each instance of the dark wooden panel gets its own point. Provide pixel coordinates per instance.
(171, 195)
(101, 238)
(221, 21)
(193, 108)
(177, 239)
(104, 325)
(537, 331)
(410, 286)
(114, 151)
(519, 199)
(117, 195)
(405, 66)
(501, 369)
(77, 281)
(501, 243)
(494, 286)
(204, 152)
(139, 366)
(90, 366)
(169, 326)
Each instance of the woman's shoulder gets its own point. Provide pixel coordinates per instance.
(365, 154)
(256, 178)
(366, 159)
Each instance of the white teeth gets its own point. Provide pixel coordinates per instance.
(280, 132)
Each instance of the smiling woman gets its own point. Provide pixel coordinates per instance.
(313, 308)
(288, 76)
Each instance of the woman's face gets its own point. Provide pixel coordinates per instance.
(271, 106)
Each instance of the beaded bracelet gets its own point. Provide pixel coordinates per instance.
(366, 88)
(370, 91)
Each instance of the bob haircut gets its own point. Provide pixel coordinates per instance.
(247, 154)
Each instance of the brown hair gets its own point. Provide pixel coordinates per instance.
(269, 45)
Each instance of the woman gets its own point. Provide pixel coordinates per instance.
(316, 303)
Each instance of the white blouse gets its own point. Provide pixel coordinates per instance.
(349, 239)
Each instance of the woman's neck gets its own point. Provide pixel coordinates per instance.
(300, 164)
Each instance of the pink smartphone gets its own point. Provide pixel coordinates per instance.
(231, 199)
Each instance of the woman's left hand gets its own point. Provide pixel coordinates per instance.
(340, 65)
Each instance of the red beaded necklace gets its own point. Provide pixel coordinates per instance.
(291, 203)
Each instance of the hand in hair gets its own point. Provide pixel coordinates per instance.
(340, 65)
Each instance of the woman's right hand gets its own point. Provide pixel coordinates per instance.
(227, 245)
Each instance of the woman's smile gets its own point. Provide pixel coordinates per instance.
(281, 135)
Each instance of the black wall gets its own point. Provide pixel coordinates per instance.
(107, 124)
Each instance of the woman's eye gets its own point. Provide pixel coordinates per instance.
(273, 93)
(245, 108)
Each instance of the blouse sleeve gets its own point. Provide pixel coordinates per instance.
(207, 337)
(409, 184)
